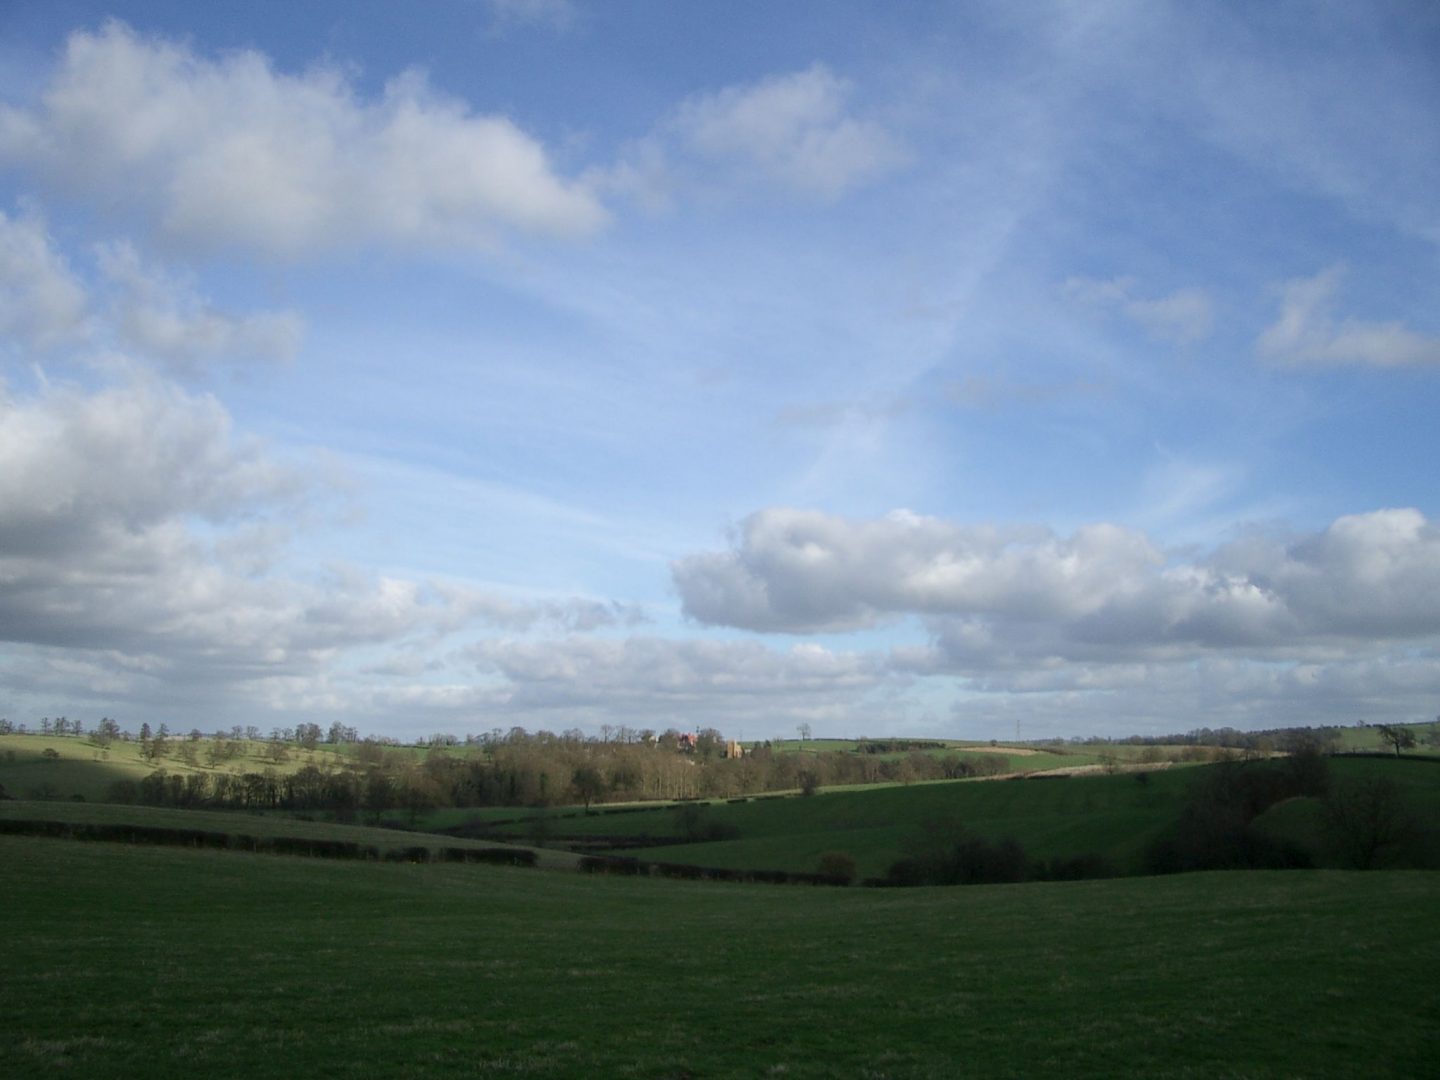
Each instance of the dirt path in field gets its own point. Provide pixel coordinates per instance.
(1090, 770)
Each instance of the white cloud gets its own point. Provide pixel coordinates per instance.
(659, 682)
(641, 666)
(1024, 595)
(230, 152)
(554, 14)
(42, 302)
(76, 464)
(794, 131)
(1307, 333)
(140, 538)
(165, 319)
(1184, 316)
(804, 570)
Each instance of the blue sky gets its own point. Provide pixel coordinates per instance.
(905, 368)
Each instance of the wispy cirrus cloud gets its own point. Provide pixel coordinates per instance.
(1308, 334)
(1184, 316)
(557, 15)
(796, 132)
(166, 319)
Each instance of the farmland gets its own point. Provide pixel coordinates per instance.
(136, 959)
(1114, 816)
(163, 962)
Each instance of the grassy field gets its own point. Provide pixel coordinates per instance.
(1110, 815)
(154, 962)
(263, 825)
(1368, 740)
(83, 767)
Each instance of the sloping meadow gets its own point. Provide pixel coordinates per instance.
(159, 962)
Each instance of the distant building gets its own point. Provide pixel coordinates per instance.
(685, 742)
(733, 749)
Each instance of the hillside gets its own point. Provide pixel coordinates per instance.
(161, 962)
(1114, 816)
(85, 767)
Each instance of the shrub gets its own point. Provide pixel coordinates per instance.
(1078, 868)
(609, 864)
(837, 864)
(505, 856)
(972, 861)
(414, 853)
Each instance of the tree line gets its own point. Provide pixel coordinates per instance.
(372, 778)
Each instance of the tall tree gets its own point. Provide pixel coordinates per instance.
(1401, 738)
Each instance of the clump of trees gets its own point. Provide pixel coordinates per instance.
(965, 860)
(945, 852)
(1216, 828)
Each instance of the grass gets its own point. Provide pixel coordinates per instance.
(1111, 815)
(87, 769)
(162, 962)
(247, 824)
(1368, 740)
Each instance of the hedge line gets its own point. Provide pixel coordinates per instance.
(271, 845)
(619, 864)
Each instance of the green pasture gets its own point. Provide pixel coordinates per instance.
(85, 768)
(1368, 740)
(159, 962)
(1114, 815)
(81, 768)
(230, 822)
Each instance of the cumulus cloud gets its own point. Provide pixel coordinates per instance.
(74, 465)
(1306, 333)
(230, 152)
(42, 302)
(167, 320)
(140, 537)
(800, 570)
(1021, 595)
(1184, 316)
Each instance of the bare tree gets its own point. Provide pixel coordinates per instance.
(588, 783)
(1401, 738)
(1366, 821)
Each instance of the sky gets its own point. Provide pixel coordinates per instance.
(970, 370)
